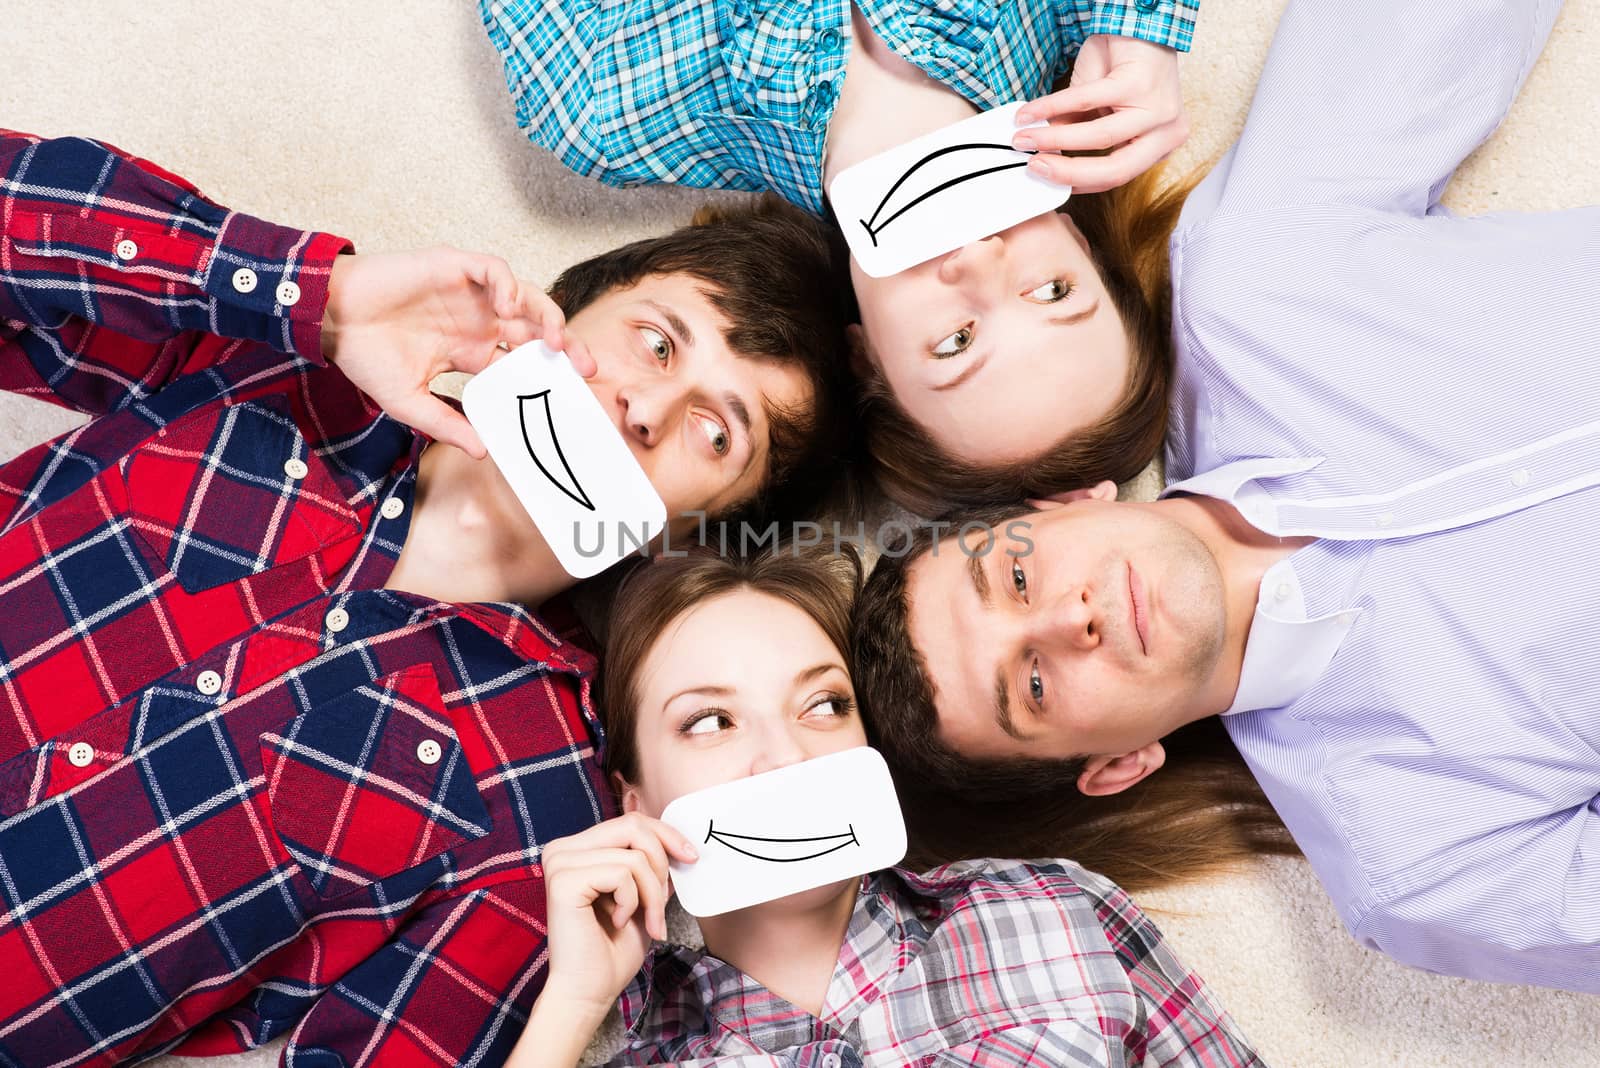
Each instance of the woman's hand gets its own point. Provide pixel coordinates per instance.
(396, 319)
(1124, 96)
(606, 893)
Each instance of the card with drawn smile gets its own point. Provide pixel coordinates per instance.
(564, 458)
(936, 193)
(783, 831)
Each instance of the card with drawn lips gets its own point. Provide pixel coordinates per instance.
(938, 192)
(564, 458)
(787, 830)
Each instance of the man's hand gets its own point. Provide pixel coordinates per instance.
(1124, 96)
(395, 320)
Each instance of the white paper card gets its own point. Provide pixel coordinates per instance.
(564, 458)
(788, 830)
(934, 194)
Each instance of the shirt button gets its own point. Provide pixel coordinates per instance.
(1520, 476)
(80, 754)
(1347, 618)
(208, 683)
(392, 508)
(429, 751)
(337, 620)
(295, 467)
(830, 1060)
(288, 294)
(1146, 5)
(126, 250)
(829, 39)
(244, 280)
(1283, 591)
(1386, 519)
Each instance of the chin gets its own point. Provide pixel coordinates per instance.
(817, 897)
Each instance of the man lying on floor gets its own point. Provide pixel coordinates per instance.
(282, 731)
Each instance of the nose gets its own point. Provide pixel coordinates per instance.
(778, 749)
(974, 260)
(1071, 621)
(648, 409)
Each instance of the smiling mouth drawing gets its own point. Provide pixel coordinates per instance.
(874, 227)
(544, 430)
(744, 843)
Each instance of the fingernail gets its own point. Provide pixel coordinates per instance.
(1024, 117)
(1039, 167)
(688, 847)
(1024, 144)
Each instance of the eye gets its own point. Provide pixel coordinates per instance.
(707, 721)
(715, 433)
(1019, 580)
(1050, 292)
(659, 344)
(831, 706)
(955, 344)
(1036, 684)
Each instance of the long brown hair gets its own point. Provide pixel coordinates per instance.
(1127, 230)
(822, 585)
(1202, 813)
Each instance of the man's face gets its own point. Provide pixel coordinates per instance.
(696, 415)
(1097, 642)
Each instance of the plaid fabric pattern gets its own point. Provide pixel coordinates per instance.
(992, 963)
(243, 788)
(737, 94)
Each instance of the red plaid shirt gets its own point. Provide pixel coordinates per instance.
(244, 788)
(997, 964)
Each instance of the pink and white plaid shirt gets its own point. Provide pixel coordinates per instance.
(995, 963)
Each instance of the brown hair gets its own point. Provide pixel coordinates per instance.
(822, 585)
(1127, 230)
(766, 266)
(1203, 812)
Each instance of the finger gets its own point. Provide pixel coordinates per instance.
(1089, 135)
(582, 359)
(625, 899)
(1095, 174)
(648, 889)
(440, 422)
(1101, 93)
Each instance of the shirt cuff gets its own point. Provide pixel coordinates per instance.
(1162, 22)
(270, 283)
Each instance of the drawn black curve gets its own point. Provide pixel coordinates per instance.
(712, 832)
(581, 496)
(867, 224)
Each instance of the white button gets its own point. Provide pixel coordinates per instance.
(208, 683)
(288, 294)
(80, 754)
(1283, 591)
(295, 468)
(244, 280)
(429, 752)
(126, 250)
(831, 1060)
(1520, 476)
(1386, 519)
(337, 620)
(392, 508)
(1347, 618)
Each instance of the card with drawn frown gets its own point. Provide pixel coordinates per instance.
(564, 458)
(783, 831)
(938, 192)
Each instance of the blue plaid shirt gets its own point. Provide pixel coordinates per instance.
(737, 94)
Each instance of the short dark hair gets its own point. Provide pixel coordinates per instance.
(820, 584)
(1202, 813)
(766, 266)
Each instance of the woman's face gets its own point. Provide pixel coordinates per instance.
(739, 684)
(1001, 348)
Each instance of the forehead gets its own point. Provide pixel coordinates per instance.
(947, 622)
(743, 639)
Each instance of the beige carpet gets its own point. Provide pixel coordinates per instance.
(387, 123)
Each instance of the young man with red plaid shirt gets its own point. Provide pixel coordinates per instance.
(279, 742)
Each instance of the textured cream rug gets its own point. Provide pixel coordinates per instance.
(387, 123)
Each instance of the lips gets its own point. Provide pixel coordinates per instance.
(782, 850)
(1138, 608)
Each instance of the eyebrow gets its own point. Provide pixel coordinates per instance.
(1002, 706)
(740, 412)
(980, 578)
(674, 322)
(977, 363)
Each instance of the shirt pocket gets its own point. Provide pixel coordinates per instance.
(371, 784)
(233, 491)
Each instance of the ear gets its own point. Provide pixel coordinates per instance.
(861, 364)
(626, 791)
(1106, 775)
(1077, 234)
(1100, 491)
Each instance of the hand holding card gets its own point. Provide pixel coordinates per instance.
(939, 192)
(784, 831)
(564, 458)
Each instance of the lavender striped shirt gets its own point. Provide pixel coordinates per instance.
(1422, 393)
